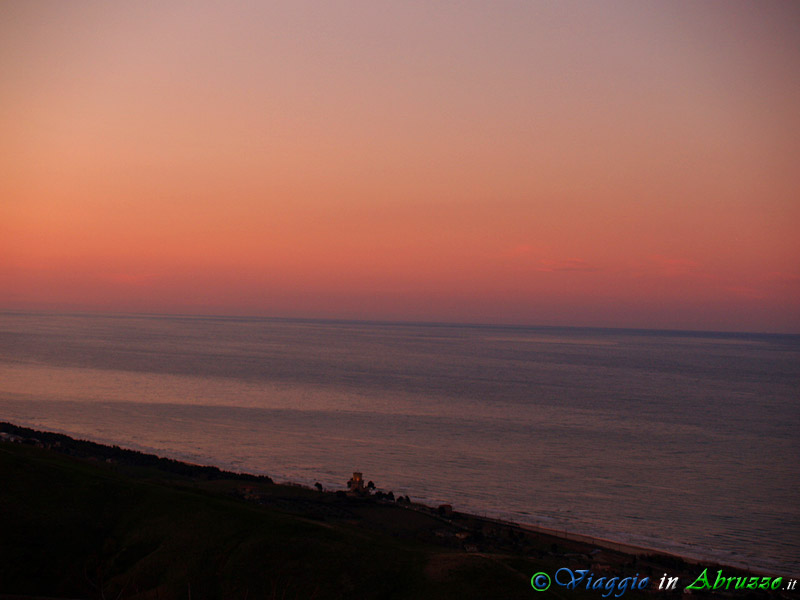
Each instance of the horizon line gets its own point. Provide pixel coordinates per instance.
(392, 322)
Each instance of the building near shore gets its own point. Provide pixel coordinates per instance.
(356, 483)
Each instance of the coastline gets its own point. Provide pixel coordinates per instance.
(463, 537)
(601, 539)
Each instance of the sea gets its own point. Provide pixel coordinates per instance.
(680, 441)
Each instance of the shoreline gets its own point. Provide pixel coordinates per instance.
(700, 557)
(586, 544)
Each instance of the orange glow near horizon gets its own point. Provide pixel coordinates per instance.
(610, 165)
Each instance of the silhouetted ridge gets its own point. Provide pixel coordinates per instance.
(86, 449)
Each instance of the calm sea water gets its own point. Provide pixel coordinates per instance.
(686, 442)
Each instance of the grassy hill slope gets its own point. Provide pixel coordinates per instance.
(86, 529)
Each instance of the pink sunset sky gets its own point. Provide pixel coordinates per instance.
(622, 164)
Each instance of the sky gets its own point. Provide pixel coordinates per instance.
(612, 164)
